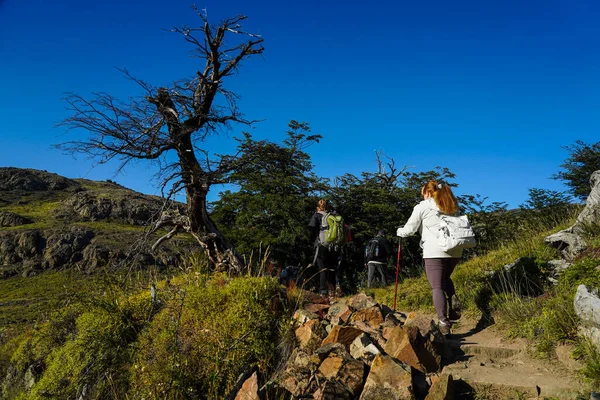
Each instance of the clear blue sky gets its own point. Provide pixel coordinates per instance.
(489, 89)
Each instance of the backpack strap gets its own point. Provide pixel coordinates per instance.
(324, 216)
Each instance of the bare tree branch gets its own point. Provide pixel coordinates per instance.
(175, 120)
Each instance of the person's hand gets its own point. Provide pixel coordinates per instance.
(398, 231)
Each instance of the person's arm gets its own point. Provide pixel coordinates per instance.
(412, 225)
(314, 226)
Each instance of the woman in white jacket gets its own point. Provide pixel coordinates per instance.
(439, 265)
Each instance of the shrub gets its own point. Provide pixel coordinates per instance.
(84, 349)
(551, 318)
(590, 355)
(205, 337)
(584, 271)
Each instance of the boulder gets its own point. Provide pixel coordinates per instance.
(570, 241)
(342, 334)
(331, 366)
(363, 348)
(345, 370)
(387, 379)
(16, 246)
(587, 305)
(129, 208)
(442, 388)
(299, 359)
(30, 244)
(316, 308)
(301, 316)
(95, 256)
(422, 322)
(407, 345)
(330, 348)
(295, 382)
(431, 332)
(66, 247)
(371, 316)
(587, 308)
(360, 301)
(12, 219)
(339, 313)
(332, 390)
(394, 319)
(310, 334)
(297, 375)
(249, 390)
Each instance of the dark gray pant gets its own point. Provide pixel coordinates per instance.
(327, 260)
(371, 267)
(438, 271)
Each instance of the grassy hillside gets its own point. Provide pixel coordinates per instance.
(205, 330)
(68, 330)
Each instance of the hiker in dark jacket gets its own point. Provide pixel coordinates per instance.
(379, 261)
(326, 257)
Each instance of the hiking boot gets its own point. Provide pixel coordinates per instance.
(454, 313)
(444, 328)
(338, 291)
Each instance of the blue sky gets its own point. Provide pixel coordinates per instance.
(489, 89)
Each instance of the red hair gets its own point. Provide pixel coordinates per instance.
(442, 195)
(322, 205)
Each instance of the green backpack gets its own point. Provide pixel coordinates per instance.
(333, 231)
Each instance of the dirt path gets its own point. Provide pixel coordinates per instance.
(497, 368)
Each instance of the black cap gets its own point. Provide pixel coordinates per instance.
(382, 232)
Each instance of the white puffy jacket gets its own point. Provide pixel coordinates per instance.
(425, 220)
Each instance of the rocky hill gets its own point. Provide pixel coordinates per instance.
(49, 222)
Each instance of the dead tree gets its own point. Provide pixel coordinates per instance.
(176, 121)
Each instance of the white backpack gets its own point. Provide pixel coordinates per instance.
(455, 233)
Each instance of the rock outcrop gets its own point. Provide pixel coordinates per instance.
(587, 308)
(129, 208)
(571, 241)
(358, 349)
(32, 180)
(11, 219)
(51, 222)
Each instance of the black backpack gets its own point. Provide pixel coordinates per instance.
(372, 250)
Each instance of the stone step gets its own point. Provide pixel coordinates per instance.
(516, 377)
(495, 353)
(495, 367)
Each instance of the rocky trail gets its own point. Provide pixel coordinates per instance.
(498, 368)
(355, 348)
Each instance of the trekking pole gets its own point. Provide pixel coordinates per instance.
(397, 271)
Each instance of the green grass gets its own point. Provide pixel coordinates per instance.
(24, 300)
(40, 225)
(37, 210)
(195, 342)
(105, 226)
(590, 355)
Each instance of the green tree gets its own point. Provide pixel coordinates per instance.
(583, 160)
(492, 223)
(383, 199)
(276, 196)
(545, 208)
(545, 199)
